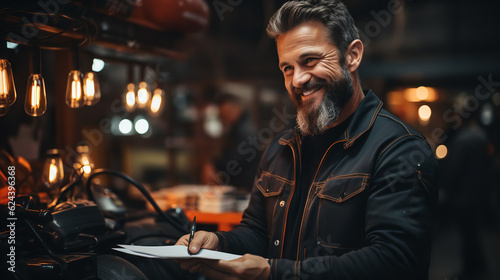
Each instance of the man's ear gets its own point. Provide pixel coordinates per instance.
(353, 55)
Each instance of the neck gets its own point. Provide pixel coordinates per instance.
(353, 103)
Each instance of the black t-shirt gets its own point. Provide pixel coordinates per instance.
(312, 150)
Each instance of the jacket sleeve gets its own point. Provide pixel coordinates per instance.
(398, 222)
(250, 236)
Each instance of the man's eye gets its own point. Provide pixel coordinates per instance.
(287, 69)
(310, 60)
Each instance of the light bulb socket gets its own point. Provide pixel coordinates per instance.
(76, 56)
(36, 60)
(53, 152)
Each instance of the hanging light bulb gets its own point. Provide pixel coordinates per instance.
(143, 95)
(91, 89)
(84, 164)
(130, 97)
(7, 87)
(53, 172)
(35, 103)
(74, 89)
(156, 102)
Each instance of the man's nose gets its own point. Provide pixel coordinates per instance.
(300, 77)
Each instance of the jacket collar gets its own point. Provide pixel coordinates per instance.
(361, 121)
(363, 118)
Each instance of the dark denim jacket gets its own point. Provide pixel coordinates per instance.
(369, 210)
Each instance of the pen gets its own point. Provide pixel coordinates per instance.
(193, 229)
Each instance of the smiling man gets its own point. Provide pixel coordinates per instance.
(350, 193)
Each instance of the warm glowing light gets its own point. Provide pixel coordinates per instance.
(441, 151)
(4, 84)
(74, 90)
(87, 169)
(85, 160)
(130, 97)
(156, 101)
(35, 102)
(131, 87)
(84, 164)
(422, 93)
(89, 85)
(8, 93)
(35, 97)
(143, 95)
(91, 89)
(424, 112)
(52, 173)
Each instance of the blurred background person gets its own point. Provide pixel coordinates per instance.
(233, 165)
(465, 181)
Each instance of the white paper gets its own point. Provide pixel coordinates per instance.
(127, 251)
(174, 252)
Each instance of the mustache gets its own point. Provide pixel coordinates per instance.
(309, 86)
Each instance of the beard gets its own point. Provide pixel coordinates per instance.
(314, 120)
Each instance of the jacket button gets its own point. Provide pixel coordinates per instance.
(276, 243)
(282, 203)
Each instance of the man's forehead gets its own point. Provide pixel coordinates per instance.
(308, 37)
(304, 32)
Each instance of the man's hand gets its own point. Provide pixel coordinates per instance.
(246, 267)
(201, 240)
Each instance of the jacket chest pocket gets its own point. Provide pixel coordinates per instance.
(341, 211)
(275, 190)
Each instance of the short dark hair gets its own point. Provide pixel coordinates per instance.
(332, 13)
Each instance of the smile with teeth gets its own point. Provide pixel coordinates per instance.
(309, 92)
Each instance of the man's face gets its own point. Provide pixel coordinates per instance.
(316, 82)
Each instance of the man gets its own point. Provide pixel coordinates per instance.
(349, 194)
(238, 127)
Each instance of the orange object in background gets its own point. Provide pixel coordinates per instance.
(225, 221)
(4, 189)
(177, 15)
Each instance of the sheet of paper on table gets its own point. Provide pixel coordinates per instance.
(174, 252)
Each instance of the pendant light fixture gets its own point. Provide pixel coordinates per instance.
(129, 97)
(91, 89)
(7, 87)
(35, 102)
(74, 87)
(156, 105)
(53, 172)
(143, 94)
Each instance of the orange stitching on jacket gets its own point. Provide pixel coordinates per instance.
(379, 107)
(284, 180)
(402, 124)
